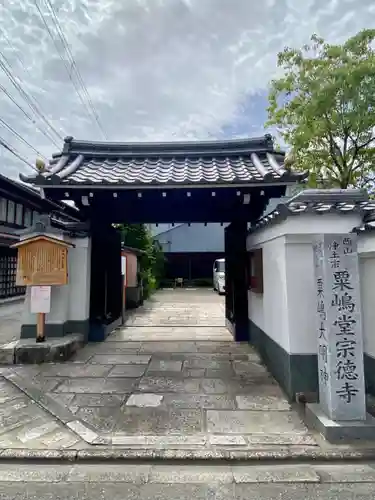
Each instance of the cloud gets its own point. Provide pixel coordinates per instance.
(155, 69)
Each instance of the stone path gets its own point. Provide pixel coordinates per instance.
(202, 482)
(10, 320)
(171, 379)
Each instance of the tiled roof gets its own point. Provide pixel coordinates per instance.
(47, 223)
(34, 195)
(366, 227)
(244, 161)
(368, 224)
(319, 202)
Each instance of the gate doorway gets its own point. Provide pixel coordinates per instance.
(181, 182)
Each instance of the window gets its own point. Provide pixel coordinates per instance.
(256, 271)
(3, 209)
(35, 216)
(27, 217)
(221, 266)
(8, 272)
(11, 215)
(19, 214)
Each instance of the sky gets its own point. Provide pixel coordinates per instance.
(153, 70)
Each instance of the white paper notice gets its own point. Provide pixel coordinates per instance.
(40, 299)
(123, 265)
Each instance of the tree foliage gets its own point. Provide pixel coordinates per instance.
(323, 107)
(152, 259)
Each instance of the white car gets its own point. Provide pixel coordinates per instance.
(219, 276)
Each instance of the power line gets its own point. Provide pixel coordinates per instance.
(22, 139)
(23, 93)
(30, 118)
(60, 55)
(72, 62)
(20, 60)
(26, 69)
(9, 148)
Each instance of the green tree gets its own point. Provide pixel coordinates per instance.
(152, 259)
(323, 107)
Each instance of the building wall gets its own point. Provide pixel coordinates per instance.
(131, 269)
(19, 208)
(70, 304)
(282, 320)
(366, 247)
(79, 261)
(190, 265)
(193, 238)
(161, 228)
(269, 310)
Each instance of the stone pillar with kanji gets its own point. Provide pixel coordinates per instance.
(339, 327)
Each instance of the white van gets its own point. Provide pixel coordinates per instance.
(219, 275)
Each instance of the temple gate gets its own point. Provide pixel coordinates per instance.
(216, 181)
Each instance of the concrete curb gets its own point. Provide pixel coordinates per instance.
(27, 351)
(174, 455)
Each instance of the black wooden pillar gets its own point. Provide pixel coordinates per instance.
(106, 291)
(236, 286)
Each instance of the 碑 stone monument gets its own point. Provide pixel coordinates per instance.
(341, 412)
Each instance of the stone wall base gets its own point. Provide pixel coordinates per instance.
(339, 431)
(294, 372)
(53, 330)
(297, 373)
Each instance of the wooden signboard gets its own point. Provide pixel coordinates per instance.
(42, 260)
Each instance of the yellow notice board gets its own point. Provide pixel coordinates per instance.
(42, 260)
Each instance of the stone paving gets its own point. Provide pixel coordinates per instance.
(182, 383)
(35, 481)
(10, 320)
(171, 378)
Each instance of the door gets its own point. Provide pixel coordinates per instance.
(214, 276)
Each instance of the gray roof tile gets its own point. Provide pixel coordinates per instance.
(368, 223)
(366, 227)
(319, 202)
(215, 162)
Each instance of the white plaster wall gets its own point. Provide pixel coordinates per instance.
(306, 224)
(79, 262)
(269, 311)
(366, 249)
(59, 306)
(72, 301)
(59, 298)
(300, 291)
(286, 311)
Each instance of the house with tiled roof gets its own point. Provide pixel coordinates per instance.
(20, 205)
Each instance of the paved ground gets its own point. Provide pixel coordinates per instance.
(163, 482)
(10, 321)
(181, 383)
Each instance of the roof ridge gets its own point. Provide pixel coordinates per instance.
(317, 201)
(255, 144)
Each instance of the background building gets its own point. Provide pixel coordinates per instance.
(19, 206)
(190, 249)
